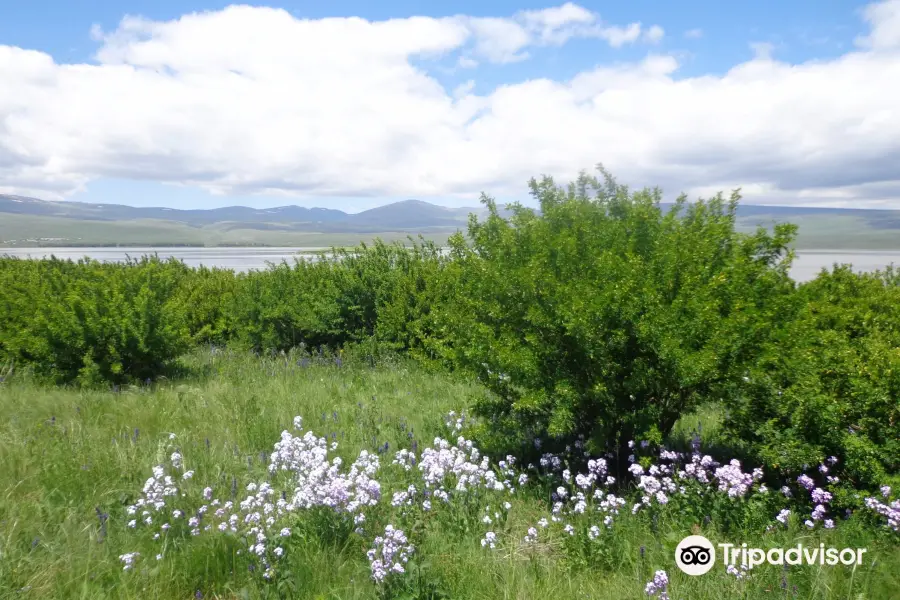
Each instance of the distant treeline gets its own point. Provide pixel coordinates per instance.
(604, 318)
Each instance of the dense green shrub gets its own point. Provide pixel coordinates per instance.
(829, 384)
(89, 322)
(606, 316)
(123, 322)
(379, 290)
(346, 296)
(285, 306)
(404, 307)
(203, 299)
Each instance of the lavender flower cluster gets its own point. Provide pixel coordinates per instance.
(389, 554)
(658, 586)
(819, 497)
(888, 509)
(678, 473)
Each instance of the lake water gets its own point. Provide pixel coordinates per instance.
(238, 259)
(808, 263)
(806, 266)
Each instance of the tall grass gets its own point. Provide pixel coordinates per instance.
(71, 461)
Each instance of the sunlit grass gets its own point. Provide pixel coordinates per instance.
(69, 458)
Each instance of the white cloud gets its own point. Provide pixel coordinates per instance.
(499, 40)
(619, 36)
(552, 19)
(503, 40)
(249, 100)
(654, 34)
(693, 34)
(884, 19)
(464, 89)
(558, 24)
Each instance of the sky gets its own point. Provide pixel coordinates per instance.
(350, 105)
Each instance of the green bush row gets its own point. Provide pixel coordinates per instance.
(89, 322)
(603, 317)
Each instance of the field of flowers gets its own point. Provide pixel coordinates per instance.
(275, 477)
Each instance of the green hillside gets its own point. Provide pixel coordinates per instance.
(29, 222)
(834, 232)
(37, 231)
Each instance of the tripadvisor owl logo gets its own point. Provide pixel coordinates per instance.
(695, 555)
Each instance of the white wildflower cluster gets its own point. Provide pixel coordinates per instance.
(319, 482)
(656, 484)
(153, 497)
(177, 461)
(257, 518)
(302, 476)
(128, 560)
(551, 462)
(406, 459)
(306, 478)
(489, 540)
(404, 498)
(806, 481)
(460, 467)
(445, 470)
(583, 496)
(820, 497)
(700, 468)
(496, 517)
(389, 554)
(313, 481)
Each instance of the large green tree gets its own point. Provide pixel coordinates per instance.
(608, 315)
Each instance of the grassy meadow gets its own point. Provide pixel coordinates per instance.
(73, 460)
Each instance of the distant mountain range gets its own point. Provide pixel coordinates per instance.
(29, 221)
(409, 214)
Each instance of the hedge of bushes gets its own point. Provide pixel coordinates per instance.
(88, 322)
(604, 317)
